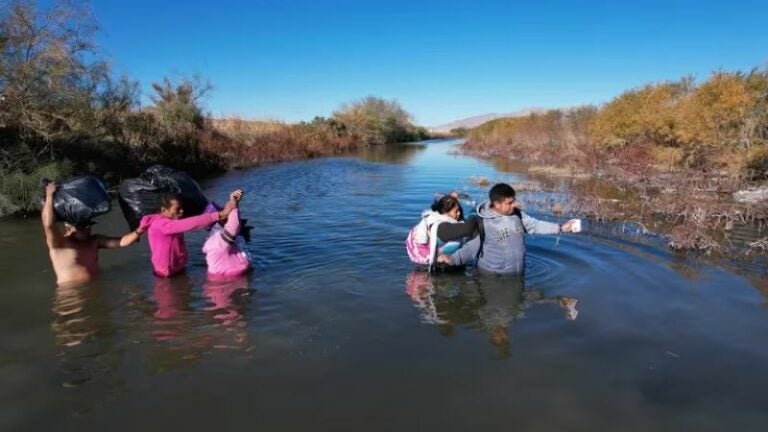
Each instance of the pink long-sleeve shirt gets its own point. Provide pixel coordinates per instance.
(166, 240)
(224, 257)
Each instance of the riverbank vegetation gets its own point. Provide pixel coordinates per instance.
(685, 148)
(63, 112)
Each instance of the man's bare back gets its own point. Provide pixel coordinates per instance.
(74, 251)
(75, 261)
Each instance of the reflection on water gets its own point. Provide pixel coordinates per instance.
(321, 330)
(484, 302)
(84, 333)
(394, 154)
(86, 340)
(81, 315)
(187, 324)
(228, 299)
(184, 327)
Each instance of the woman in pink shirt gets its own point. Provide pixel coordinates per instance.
(166, 232)
(225, 257)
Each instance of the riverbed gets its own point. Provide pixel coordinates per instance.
(335, 330)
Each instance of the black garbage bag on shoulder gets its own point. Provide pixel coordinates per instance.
(140, 196)
(170, 180)
(79, 200)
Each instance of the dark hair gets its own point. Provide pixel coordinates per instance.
(167, 198)
(445, 204)
(500, 191)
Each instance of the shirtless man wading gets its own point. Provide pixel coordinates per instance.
(74, 251)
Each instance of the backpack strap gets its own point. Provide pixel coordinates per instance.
(481, 233)
(227, 237)
(519, 214)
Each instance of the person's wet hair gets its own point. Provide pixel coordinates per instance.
(167, 199)
(445, 204)
(500, 191)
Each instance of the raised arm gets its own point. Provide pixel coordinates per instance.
(232, 227)
(52, 236)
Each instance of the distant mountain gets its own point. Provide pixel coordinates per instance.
(474, 121)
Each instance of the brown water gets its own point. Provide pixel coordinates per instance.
(335, 331)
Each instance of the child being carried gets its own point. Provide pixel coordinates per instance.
(437, 231)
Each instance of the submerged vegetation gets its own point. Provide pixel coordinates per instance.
(685, 149)
(63, 112)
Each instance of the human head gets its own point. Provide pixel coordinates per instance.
(447, 205)
(502, 198)
(171, 206)
(80, 233)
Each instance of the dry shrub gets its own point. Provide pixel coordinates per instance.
(667, 158)
(756, 164)
(480, 181)
(759, 246)
(243, 143)
(690, 237)
(635, 160)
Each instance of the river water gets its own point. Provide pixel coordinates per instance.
(334, 330)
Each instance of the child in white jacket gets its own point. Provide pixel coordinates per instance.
(422, 240)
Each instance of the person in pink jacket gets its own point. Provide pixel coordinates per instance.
(166, 232)
(224, 256)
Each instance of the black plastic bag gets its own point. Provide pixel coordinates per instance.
(79, 200)
(169, 180)
(140, 196)
(137, 198)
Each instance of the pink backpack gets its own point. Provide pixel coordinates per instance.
(418, 253)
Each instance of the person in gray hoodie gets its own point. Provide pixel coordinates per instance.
(499, 246)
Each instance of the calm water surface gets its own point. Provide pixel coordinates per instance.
(335, 331)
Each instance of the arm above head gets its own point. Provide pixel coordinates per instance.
(52, 236)
(232, 204)
(535, 226)
(233, 223)
(467, 253)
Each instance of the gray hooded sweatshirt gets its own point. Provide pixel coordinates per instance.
(504, 248)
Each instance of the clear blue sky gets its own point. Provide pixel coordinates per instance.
(443, 60)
